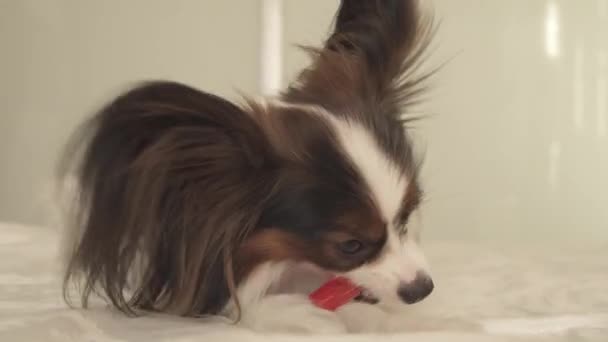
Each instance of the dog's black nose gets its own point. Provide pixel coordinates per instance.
(416, 290)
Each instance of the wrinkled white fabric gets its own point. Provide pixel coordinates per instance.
(483, 293)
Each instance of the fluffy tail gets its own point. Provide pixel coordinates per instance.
(163, 173)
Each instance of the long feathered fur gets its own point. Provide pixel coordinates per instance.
(370, 68)
(373, 58)
(164, 166)
(178, 178)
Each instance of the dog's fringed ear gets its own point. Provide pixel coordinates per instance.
(169, 184)
(371, 61)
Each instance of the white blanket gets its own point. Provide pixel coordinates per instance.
(484, 293)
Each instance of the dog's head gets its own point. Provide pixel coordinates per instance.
(343, 200)
(203, 192)
(349, 182)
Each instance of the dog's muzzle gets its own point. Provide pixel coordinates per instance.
(416, 290)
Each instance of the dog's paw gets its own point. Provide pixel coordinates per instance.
(361, 317)
(290, 314)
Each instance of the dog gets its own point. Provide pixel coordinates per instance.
(191, 205)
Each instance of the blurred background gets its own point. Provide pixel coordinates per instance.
(516, 140)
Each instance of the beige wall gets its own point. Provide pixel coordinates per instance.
(519, 146)
(61, 58)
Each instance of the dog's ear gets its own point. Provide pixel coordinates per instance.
(172, 177)
(370, 62)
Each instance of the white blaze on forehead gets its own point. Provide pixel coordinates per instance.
(401, 260)
(386, 182)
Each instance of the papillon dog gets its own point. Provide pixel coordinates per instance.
(191, 205)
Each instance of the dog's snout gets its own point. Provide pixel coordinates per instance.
(416, 290)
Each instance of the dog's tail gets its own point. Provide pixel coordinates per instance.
(162, 175)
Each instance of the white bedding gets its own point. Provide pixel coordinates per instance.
(484, 293)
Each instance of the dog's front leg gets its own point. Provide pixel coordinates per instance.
(290, 313)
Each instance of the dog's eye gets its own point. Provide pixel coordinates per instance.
(350, 246)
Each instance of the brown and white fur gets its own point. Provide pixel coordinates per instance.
(190, 205)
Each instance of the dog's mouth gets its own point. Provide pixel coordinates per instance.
(366, 296)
